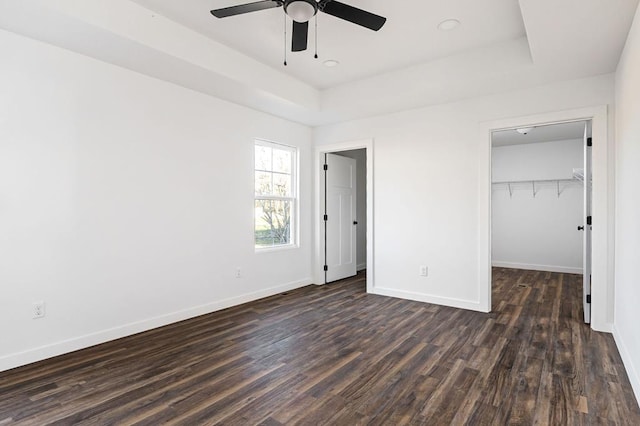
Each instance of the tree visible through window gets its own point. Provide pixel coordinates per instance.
(275, 194)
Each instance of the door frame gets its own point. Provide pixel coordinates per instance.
(602, 208)
(366, 144)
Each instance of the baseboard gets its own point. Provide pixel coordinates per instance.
(627, 360)
(436, 300)
(605, 327)
(361, 266)
(534, 267)
(10, 361)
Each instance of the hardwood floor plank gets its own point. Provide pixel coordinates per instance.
(336, 355)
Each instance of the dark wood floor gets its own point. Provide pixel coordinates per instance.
(335, 355)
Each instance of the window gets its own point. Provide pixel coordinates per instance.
(275, 195)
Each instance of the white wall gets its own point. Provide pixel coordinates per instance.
(538, 232)
(360, 155)
(125, 202)
(628, 205)
(426, 168)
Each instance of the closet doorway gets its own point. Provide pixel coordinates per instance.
(345, 202)
(344, 196)
(541, 200)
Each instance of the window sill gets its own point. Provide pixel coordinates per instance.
(276, 248)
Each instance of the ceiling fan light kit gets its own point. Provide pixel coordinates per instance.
(301, 11)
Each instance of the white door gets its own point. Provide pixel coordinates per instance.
(340, 217)
(586, 228)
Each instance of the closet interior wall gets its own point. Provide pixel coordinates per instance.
(537, 206)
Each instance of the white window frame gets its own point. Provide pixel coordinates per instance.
(293, 199)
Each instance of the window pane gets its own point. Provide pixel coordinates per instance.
(281, 185)
(263, 183)
(272, 223)
(263, 157)
(274, 178)
(281, 161)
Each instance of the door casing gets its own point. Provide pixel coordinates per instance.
(366, 144)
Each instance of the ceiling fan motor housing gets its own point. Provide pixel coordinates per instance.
(301, 10)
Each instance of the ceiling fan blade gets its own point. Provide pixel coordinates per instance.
(245, 8)
(353, 14)
(300, 36)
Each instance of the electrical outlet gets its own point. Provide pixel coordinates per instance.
(424, 271)
(238, 273)
(38, 310)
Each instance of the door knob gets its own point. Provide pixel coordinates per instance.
(580, 228)
(355, 222)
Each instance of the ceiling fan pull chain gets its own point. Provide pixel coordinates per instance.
(316, 38)
(285, 39)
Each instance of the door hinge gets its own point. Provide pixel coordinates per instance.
(326, 217)
(326, 268)
(325, 167)
(588, 298)
(589, 142)
(588, 220)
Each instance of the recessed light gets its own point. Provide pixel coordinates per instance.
(330, 63)
(524, 130)
(448, 24)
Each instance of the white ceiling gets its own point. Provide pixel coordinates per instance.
(501, 45)
(539, 134)
(409, 37)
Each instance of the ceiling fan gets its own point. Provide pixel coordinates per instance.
(301, 11)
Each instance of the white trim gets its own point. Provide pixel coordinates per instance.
(436, 300)
(361, 266)
(534, 267)
(601, 318)
(627, 360)
(59, 348)
(271, 249)
(272, 144)
(319, 240)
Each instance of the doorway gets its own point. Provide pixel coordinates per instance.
(344, 242)
(541, 200)
(345, 204)
(602, 291)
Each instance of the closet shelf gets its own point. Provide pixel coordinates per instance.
(535, 184)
